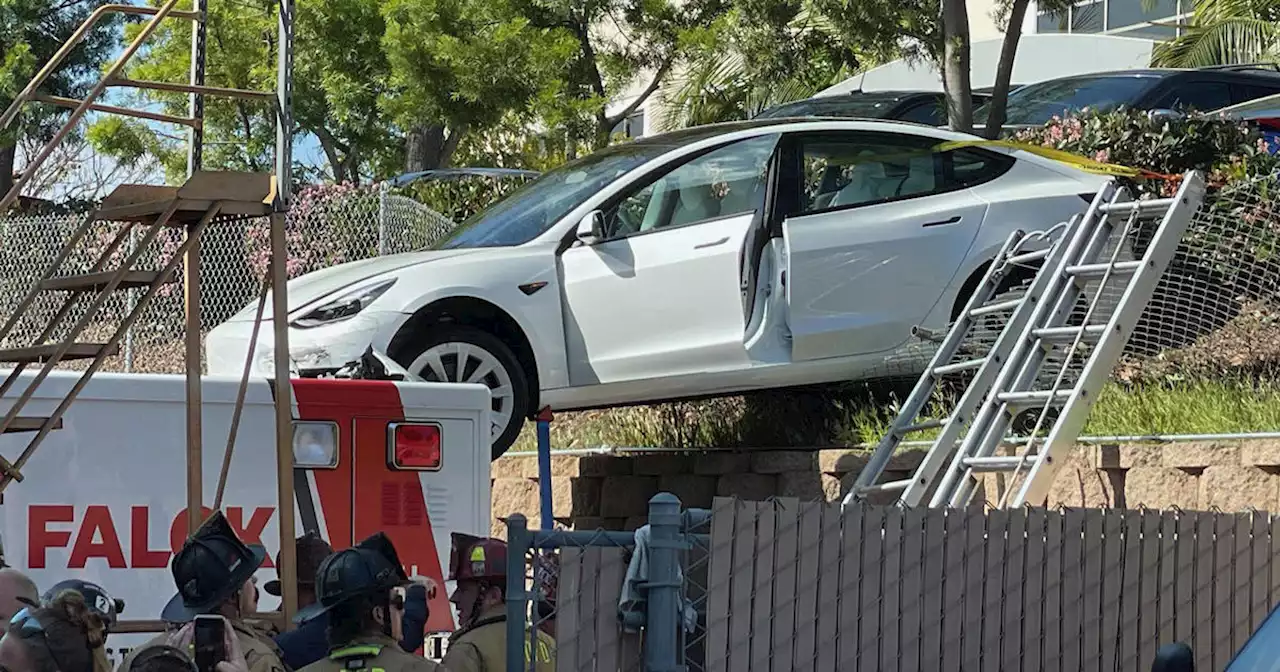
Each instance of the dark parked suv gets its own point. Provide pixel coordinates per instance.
(1203, 89)
(922, 107)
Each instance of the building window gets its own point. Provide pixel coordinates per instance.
(1127, 18)
(632, 126)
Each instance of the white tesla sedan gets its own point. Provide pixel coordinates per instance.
(708, 261)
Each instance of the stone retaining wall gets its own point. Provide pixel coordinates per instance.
(612, 491)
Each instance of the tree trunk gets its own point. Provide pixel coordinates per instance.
(430, 147)
(7, 157)
(955, 65)
(1004, 70)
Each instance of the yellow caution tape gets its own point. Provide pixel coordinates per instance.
(1081, 162)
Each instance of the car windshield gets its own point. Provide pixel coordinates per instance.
(1038, 103)
(532, 209)
(862, 106)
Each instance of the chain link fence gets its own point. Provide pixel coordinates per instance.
(625, 601)
(791, 585)
(324, 227)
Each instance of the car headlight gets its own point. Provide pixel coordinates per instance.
(345, 305)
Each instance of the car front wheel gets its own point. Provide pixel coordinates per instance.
(462, 354)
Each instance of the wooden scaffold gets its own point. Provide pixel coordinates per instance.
(206, 199)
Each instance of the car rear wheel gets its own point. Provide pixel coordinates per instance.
(461, 354)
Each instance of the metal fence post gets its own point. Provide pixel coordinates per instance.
(661, 641)
(382, 219)
(517, 601)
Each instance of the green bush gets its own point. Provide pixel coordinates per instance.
(1162, 147)
(459, 199)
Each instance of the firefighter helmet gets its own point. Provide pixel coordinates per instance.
(95, 597)
(477, 558)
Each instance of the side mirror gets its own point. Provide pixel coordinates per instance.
(1174, 658)
(1165, 113)
(591, 228)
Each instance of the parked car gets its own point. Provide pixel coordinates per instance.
(1263, 113)
(710, 261)
(1202, 89)
(921, 107)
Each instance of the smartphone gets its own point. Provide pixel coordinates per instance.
(210, 642)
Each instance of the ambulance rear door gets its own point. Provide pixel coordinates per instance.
(413, 462)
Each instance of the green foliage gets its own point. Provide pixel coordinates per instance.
(239, 135)
(1222, 32)
(465, 63)
(1227, 150)
(461, 198)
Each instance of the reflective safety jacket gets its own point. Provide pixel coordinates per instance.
(482, 647)
(374, 653)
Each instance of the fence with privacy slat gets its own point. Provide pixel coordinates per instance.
(806, 586)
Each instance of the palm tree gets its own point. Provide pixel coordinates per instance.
(1224, 32)
(719, 85)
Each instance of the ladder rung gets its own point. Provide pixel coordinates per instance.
(1036, 398)
(1097, 270)
(1027, 257)
(996, 463)
(995, 307)
(98, 281)
(29, 424)
(41, 353)
(922, 426)
(959, 366)
(888, 486)
(1142, 206)
(1067, 334)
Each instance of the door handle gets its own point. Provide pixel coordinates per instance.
(713, 243)
(943, 222)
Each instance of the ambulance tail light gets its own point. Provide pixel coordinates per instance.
(315, 444)
(414, 446)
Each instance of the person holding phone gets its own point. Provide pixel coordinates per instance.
(354, 589)
(211, 571)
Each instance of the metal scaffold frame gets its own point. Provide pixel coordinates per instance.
(215, 197)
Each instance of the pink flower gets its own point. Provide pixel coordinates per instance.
(1263, 147)
(1102, 156)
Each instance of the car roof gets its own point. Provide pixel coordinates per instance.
(1247, 71)
(696, 134)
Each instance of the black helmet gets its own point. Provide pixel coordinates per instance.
(98, 600)
(369, 568)
(209, 569)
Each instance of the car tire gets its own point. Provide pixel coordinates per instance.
(488, 361)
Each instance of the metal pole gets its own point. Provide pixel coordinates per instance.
(663, 593)
(382, 219)
(284, 421)
(195, 444)
(195, 134)
(517, 600)
(544, 468)
(284, 96)
(133, 301)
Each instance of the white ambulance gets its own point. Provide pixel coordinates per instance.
(104, 496)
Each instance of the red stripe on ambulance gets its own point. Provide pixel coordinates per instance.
(362, 496)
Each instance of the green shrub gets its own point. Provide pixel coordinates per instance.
(459, 199)
(1163, 147)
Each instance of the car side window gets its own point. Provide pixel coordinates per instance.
(1199, 96)
(726, 181)
(929, 112)
(842, 170)
(967, 167)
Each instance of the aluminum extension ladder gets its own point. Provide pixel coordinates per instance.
(1038, 336)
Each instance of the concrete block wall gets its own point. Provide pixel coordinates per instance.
(612, 491)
